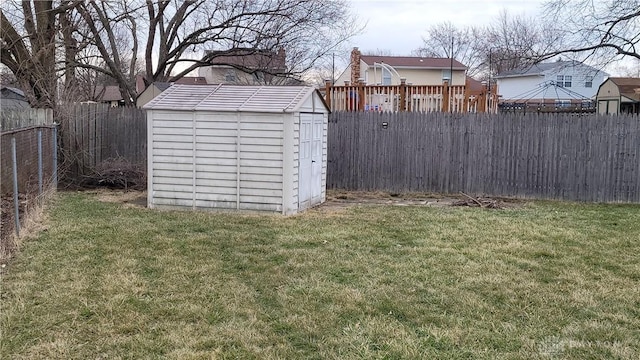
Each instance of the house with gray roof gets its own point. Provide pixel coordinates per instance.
(560, 82)
(13, 98)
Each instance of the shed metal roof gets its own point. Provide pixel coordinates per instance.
(231, 98)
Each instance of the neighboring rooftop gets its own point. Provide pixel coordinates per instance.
(13, 89)
(141, 83)
(249, 59)
(107, 93)
(191, 80)
(414, 62)
(541, 68)
(628, 86)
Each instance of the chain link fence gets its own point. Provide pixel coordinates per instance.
(28, 169)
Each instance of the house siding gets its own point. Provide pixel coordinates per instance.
(413, 76)
(532, 86)
(519, 88)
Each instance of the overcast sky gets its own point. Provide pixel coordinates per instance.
(398, 25)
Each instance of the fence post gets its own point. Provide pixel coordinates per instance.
(482, 99)
(445, 96)
(327, 93)
(361, 95)
(347, 96)
(16, 202)
(403, 94)
(39, 161)
(466, 106)
(55, 155)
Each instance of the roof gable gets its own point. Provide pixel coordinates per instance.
(414, 62)
(191, 80)
(274, 99)
(249, 59)
(17, 93)
(542, 69)
(628, 86)
(107, 93)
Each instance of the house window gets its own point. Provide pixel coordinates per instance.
(567, 81)
(230, 76)
(446, 75)
(560, 80)
(588, 81)
(386, 77)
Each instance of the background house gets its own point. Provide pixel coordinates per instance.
(619, 95)
(13, 99)
(388, 70)
(560, 82)
(246, 67)
(109, 94)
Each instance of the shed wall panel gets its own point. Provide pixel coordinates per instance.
(170, 174)
(231, 199)
(171, 145)
(169, 195)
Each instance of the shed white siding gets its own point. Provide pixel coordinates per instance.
(212, 148)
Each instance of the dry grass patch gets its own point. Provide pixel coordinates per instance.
(546, 280)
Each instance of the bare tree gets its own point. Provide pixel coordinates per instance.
(602, 31)
(170, 37)
(444, 39)
(515, 41)
(28, 46)
(180, 36)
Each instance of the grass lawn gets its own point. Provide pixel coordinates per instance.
(545, 280)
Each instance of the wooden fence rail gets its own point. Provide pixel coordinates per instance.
(404, 97)
(11, 119)
(548, 156)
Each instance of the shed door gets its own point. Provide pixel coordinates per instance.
(310, 170)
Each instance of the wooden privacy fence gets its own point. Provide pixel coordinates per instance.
(404, 97)
(93, 134)
(548, 156)
(11, 119)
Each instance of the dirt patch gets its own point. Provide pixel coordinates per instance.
(129, 198)
(341, 199)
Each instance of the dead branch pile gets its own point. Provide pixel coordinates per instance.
(485, 203)
(117, 174)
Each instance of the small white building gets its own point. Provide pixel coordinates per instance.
(237, 147)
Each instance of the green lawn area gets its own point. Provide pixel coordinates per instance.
(543, 280)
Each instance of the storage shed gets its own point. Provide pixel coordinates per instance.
(237, 147)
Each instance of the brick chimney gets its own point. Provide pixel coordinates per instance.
(355, 65)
